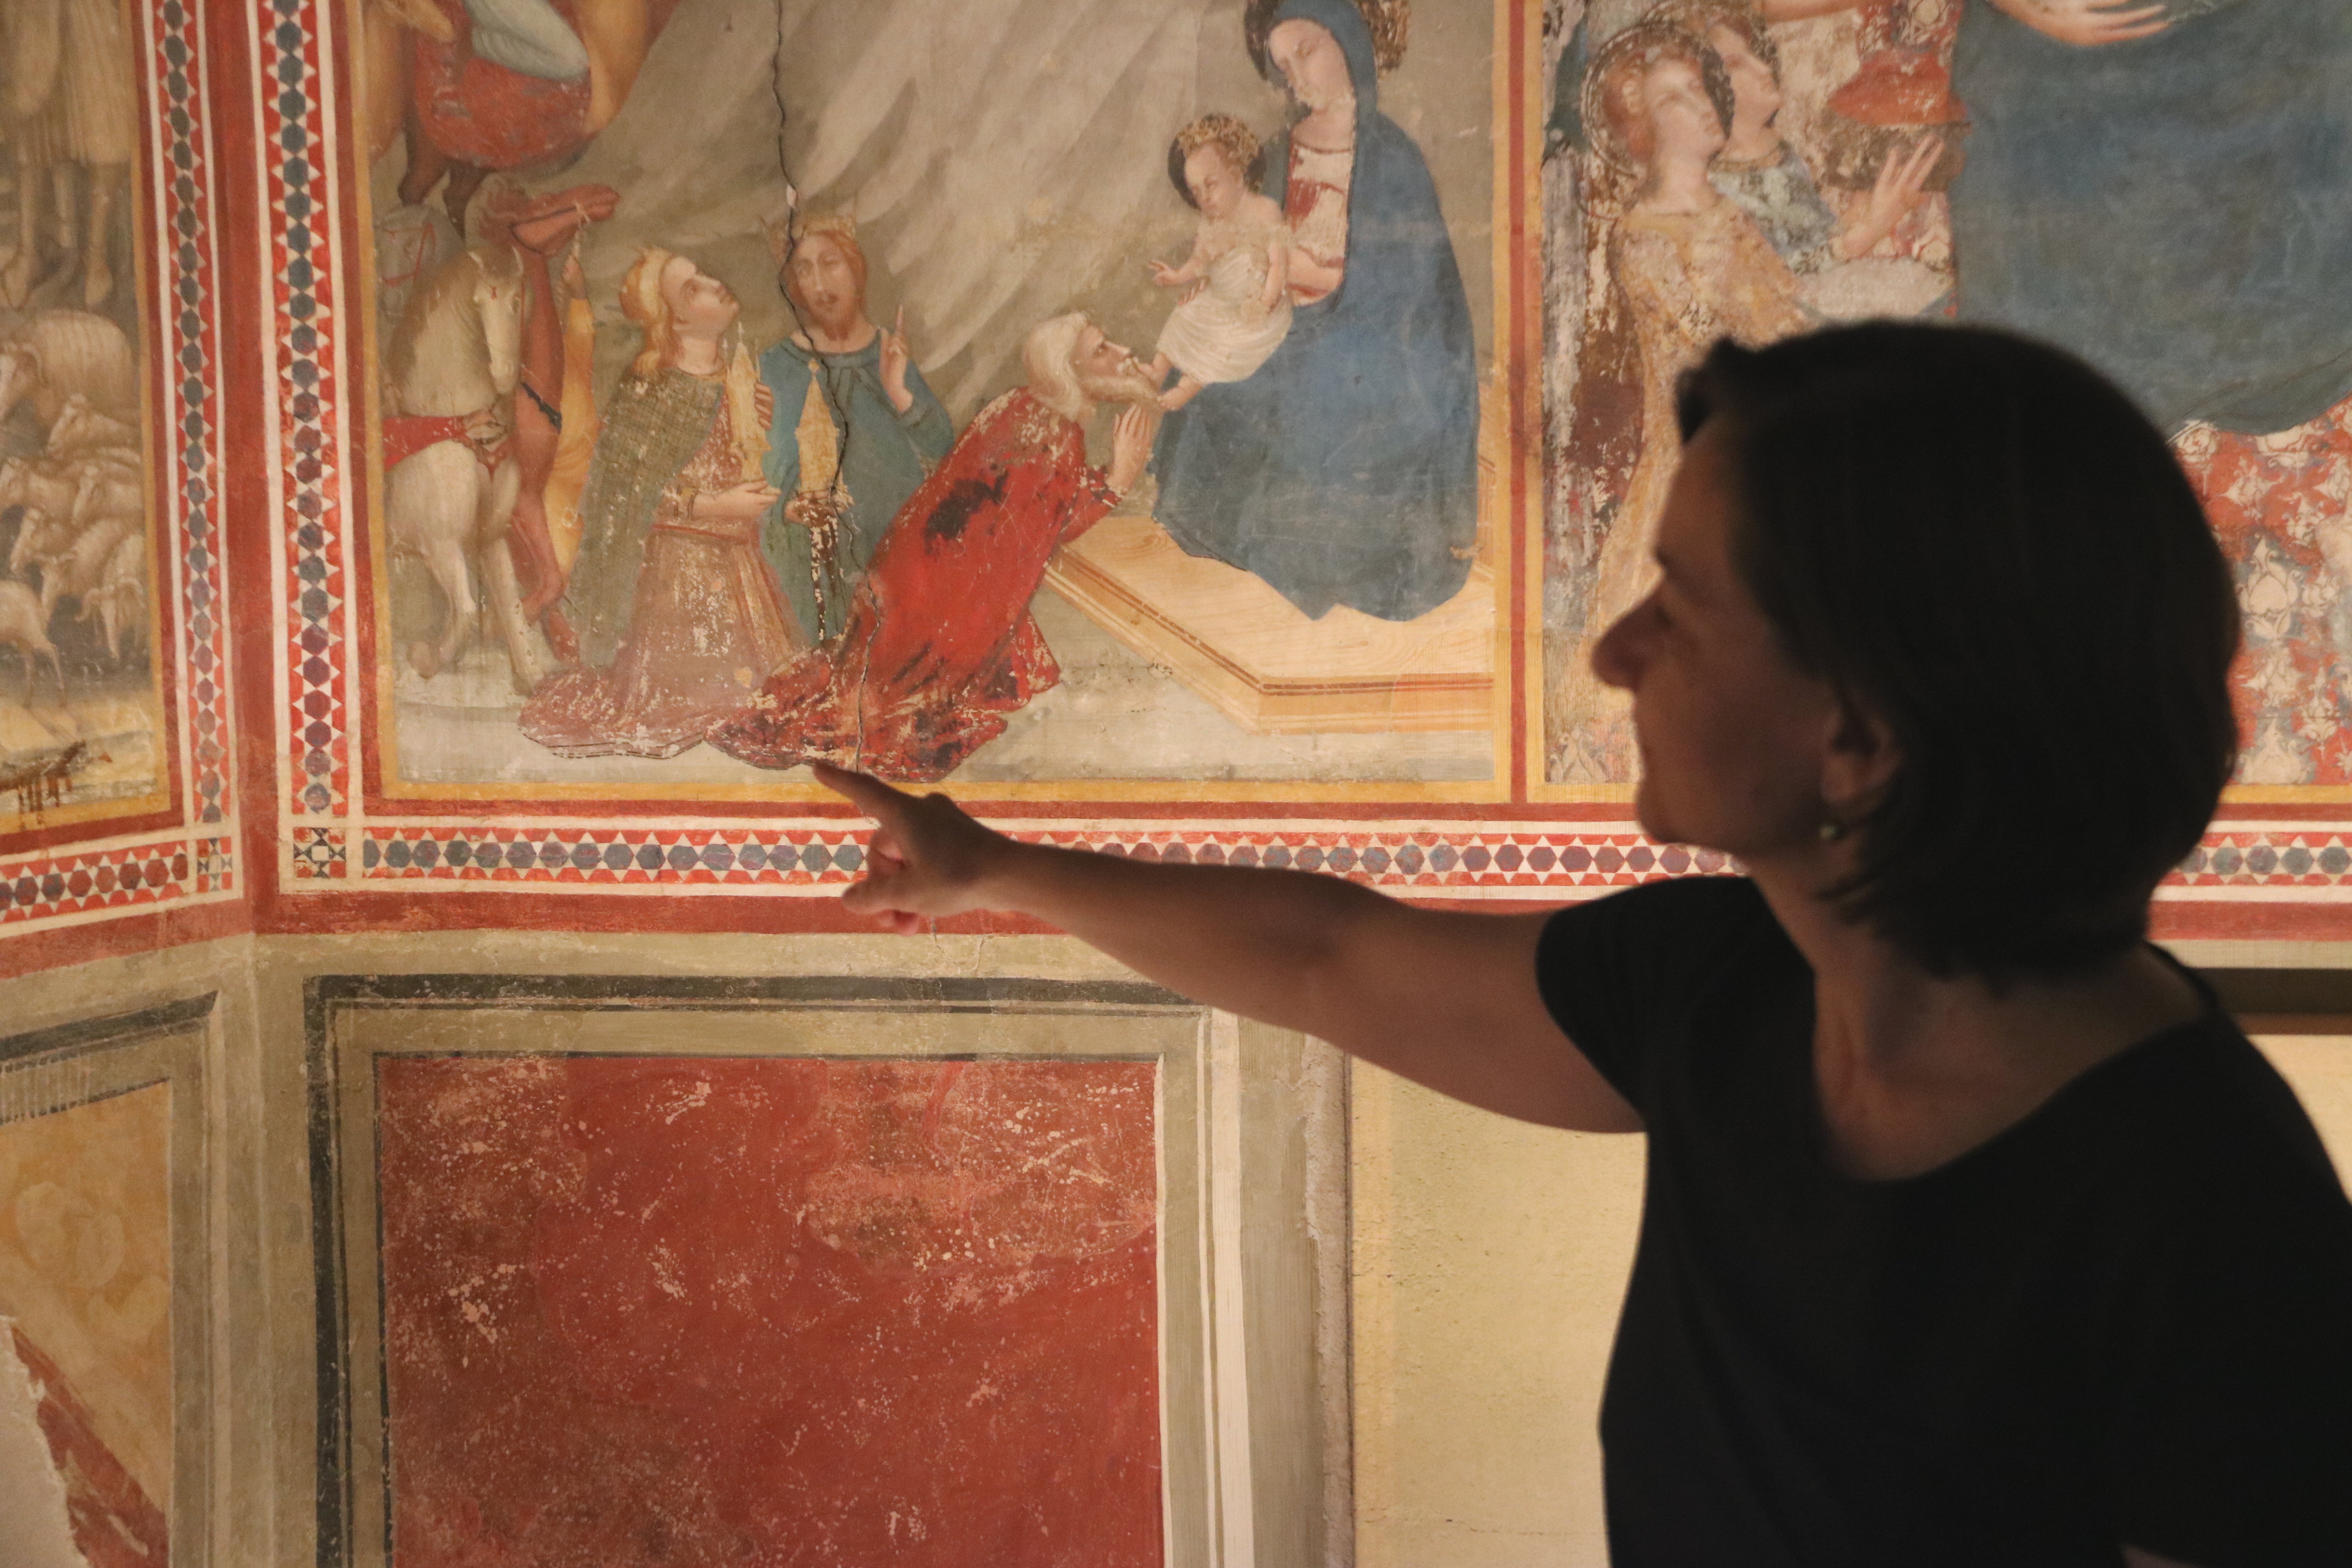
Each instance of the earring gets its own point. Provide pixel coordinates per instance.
(1831, 830)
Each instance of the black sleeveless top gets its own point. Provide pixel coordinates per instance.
(2126, 1320)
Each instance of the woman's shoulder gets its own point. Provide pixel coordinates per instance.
(2218, 1110)
(1624, 976)
(1684, 915)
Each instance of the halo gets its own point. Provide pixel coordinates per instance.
(1643, 37)
(1389, 21)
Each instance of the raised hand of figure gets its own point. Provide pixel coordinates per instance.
(2087, 24)
(895, 360)
(1130, 445)
(1168, 277)
(927, 859)
(1902, 177)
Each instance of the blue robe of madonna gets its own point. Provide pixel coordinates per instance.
(885, 454)
(2178, 209)
(1345, 471)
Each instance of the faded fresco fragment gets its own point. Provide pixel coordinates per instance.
(627, 508)
(706, 1311)
(80, 713)
(2165, 192)
(85, 1312)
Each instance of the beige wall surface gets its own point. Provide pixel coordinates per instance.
(1490, 1260)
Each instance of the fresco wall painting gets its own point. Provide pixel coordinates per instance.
(412, 766)
(375, 737)
(857, 1271)
(1009, 195)
(114, 712)
(1543, 817)
(103, 1292)
(2166, 198)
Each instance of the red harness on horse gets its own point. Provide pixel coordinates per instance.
(405, 435)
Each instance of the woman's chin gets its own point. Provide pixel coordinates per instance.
(1650, 814)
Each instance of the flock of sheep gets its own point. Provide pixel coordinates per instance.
(82, 533)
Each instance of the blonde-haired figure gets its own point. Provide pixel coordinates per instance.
(855, 427)
(679, 613)
(1682, 265)
(1236, 310)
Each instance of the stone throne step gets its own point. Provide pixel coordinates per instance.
(1226, 635)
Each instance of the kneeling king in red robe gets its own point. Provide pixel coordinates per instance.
(940, 648)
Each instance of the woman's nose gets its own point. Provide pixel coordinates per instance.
(1622, 650)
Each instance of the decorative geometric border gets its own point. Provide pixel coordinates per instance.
(185, 245)
(102, 879)
(300, 213)
(2313, 858)
(1435, 860)
(1438, 860)
(119, 879)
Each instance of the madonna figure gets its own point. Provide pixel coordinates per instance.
(2163, 190)
(1345, 470)
(680, 615)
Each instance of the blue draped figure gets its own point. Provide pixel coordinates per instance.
(2177, 208)
(1344, 469)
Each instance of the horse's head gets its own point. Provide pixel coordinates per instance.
(458, 347)
(497, 300)
(33, 527)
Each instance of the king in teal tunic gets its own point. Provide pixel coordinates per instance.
(885, 455)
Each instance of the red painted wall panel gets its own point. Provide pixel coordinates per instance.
(774, 1311)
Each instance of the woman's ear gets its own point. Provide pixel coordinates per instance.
(1859, 764)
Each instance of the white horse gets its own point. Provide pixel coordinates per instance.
(456, 358)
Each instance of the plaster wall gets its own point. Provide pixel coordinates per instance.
(1490, 1260)
(222, 1344)
(1486, 1258)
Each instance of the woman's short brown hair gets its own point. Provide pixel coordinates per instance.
(1980, 542)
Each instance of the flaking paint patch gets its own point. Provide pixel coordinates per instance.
(36, 1530)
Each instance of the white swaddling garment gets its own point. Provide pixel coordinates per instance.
(1222, 333)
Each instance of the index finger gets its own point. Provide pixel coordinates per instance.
(899, 326)
(864, 791)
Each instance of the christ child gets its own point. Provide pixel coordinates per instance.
(1236, 310)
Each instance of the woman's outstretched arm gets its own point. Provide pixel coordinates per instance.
(1448, 1000)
